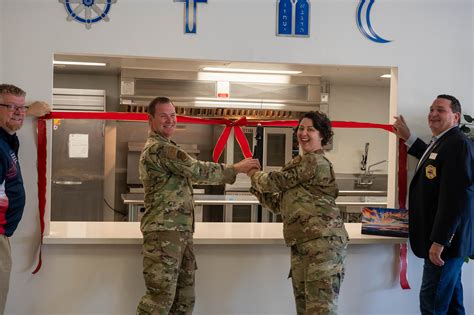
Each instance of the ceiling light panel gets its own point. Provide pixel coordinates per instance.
(79, 63)
(235, 70)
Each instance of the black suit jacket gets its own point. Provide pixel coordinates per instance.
(441, 201)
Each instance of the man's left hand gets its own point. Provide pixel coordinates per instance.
(38, 109)
(435, 254)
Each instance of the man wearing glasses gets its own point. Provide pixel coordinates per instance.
(12, 193)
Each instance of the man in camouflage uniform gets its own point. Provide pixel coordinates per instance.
(304, 193)
(167, 173)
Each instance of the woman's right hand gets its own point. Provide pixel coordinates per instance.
(252, 171)
(246, 165)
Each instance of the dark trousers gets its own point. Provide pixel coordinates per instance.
(441, 288)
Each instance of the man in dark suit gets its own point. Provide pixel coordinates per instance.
(441, 205)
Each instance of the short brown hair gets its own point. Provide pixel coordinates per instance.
(11, 89)
(157, 101)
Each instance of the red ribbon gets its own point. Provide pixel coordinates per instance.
(403, 267)
(241, 139)
(402, 174)
(230, 124)
(239, 136)
(244, 146)
(402, 201)
(41, 160)
(97, 115)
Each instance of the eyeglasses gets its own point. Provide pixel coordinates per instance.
(13, 108)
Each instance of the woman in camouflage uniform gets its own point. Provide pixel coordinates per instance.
(304, 193)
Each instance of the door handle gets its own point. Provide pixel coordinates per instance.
(66, 182)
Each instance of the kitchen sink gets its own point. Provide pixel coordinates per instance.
(353, 196)
(362, 199)
(349, 184)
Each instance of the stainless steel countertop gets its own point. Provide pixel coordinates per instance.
(381, 193)
(137, 199)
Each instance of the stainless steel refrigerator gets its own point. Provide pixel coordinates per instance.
(77, 187)
(77, 176)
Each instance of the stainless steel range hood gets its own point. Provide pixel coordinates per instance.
(196, 93)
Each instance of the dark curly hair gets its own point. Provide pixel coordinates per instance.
(321, 123)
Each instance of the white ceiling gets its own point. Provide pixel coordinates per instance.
(334, 74)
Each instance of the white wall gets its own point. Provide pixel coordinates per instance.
(231, 279)
(432, 48)
(345, 104)
(117, 270)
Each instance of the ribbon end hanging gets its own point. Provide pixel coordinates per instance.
(404, 267)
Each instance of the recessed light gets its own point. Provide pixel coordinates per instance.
(79, 63)
(216, 69)
(388, 76)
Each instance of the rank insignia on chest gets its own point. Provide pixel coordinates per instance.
(430, 171)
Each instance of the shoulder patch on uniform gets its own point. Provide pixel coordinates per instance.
(182, 156)
(170, 152)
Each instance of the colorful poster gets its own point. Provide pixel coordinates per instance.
(385, 221)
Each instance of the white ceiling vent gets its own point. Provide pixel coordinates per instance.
(78, 100)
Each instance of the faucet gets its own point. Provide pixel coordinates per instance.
(363, 162)
(366, 179)
(367, 172)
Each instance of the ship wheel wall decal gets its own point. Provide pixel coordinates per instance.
(88, 11)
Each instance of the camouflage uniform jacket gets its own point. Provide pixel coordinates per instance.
(167, 173)
(304, 193)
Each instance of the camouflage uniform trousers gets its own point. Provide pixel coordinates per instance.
(317, 271)
(169, 267)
